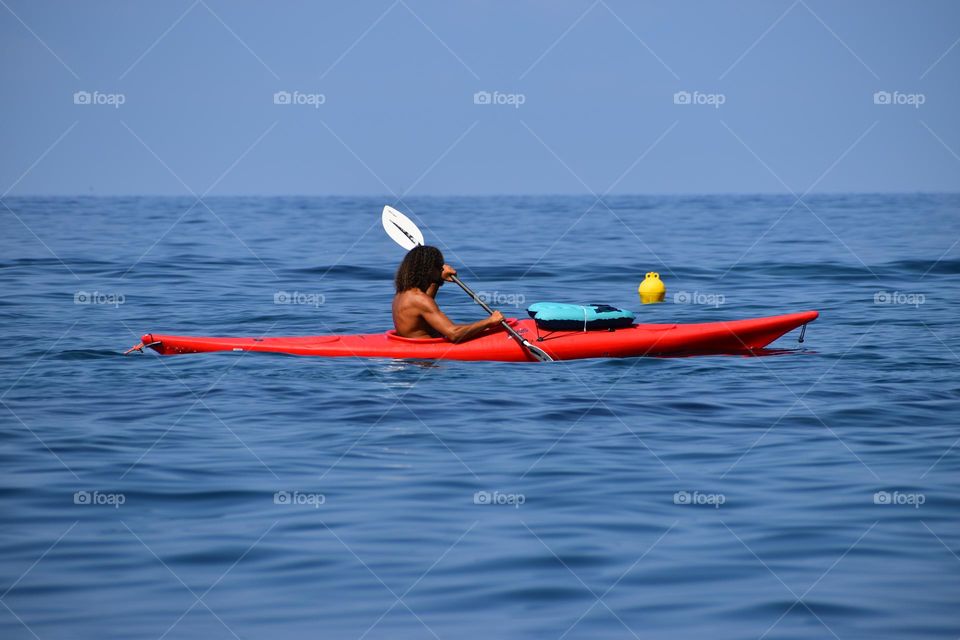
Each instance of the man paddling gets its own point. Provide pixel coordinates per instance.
(415, 311)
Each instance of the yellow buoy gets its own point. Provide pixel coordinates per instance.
(652, 288)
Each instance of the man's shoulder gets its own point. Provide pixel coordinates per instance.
(416, 297)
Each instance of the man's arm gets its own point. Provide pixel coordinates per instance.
(453, 332)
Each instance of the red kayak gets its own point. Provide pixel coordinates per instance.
(735, 336)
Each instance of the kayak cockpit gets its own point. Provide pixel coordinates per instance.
(392, 335)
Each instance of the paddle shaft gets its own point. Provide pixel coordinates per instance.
(537, 353)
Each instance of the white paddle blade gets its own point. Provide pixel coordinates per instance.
(401, 228)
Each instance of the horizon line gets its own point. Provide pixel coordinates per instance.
(389, 198)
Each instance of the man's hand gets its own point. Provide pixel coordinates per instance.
(447, 272)
(495, 318)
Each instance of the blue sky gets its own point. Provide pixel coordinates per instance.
(582, 97)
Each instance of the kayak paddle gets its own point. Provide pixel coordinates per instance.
(405, 233)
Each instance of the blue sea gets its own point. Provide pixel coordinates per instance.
(811, 493)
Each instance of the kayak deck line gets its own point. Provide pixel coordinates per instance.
(708, 338)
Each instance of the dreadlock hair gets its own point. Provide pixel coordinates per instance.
(418, 269)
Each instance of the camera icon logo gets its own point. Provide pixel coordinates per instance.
(882, 97)
(881, 497)
(682, 97)
(481, 497)
(482, 97)
(281, 297)
(282, 97)
(681, 497)
(281, 497)
(81, 497)
(82, 97)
